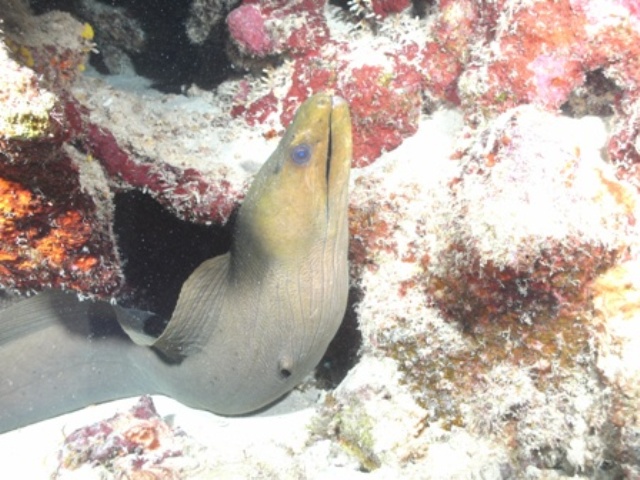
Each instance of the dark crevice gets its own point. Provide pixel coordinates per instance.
(160, 251)
(343, 351)
(596, 96)
(168, 57)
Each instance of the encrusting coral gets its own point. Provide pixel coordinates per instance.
(491, 262)
(56, 233)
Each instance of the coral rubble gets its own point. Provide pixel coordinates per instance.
(133, 444)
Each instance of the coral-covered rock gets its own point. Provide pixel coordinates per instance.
(261, 28)
(54, 45)
(476, 282)
(490, 334)
(133, 444)
(58, 169)
(384, 91)
(539, 53)
(536, 218)
(488, 58)
(55, 218)
(617, 303)
(385, 105)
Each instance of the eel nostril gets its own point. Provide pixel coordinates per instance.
(285, 365)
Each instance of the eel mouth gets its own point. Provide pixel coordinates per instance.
(335, 101)
(329, 150)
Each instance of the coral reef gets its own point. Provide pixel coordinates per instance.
(493, 248)
(536, 216)
(454, 60)
(56, 229)
(476, 281)
(137, 444)
(59, 169)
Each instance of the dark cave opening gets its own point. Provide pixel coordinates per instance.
(160, 251)
(168, 58)
(344, 350)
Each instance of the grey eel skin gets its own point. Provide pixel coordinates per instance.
(248, 325)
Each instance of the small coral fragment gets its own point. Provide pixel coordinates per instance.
(137, 444)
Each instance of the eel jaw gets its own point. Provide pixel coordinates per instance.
(328, 164)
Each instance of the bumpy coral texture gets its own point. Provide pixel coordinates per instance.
(248, 30)
(56, 214)
(133, 444)
(54, 233)
(487, 58)
(480, 289)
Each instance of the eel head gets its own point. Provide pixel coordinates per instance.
(298, 200)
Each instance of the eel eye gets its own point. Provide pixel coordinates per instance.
(301, 154)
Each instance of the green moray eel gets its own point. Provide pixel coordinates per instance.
(248, 325)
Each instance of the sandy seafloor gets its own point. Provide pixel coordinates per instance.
(218, 449)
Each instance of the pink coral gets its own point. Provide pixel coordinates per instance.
(247, 29)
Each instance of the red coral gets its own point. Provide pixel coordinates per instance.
(185, 192)
(385, 108)
(457, 26)
(258, 111)
(265, 27)
(383, 8)
(541, 59)
(441, 73)
(528, 229)
(544, 55)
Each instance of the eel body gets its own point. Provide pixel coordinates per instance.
(248, 325)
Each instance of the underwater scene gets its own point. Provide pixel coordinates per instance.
(320, 239)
